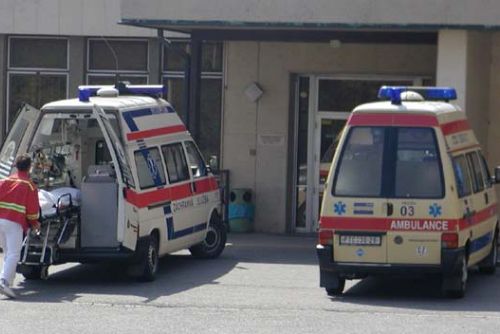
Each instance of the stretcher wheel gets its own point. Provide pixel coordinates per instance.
(36, 272)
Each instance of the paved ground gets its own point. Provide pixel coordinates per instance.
(261, 284)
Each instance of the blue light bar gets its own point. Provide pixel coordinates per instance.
(393, 93)
(85, 92)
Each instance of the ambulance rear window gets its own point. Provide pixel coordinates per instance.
(392, 162)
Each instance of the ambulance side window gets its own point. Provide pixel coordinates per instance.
(196, 163)
(486, 171)
(175, 160)
(462, 176)
(478, 180)
(149, 168)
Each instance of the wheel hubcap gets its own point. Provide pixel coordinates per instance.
(212, 238)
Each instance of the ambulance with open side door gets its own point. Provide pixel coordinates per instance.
(120, 179)
(408, 192)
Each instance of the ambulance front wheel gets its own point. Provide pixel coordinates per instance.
(36, 272)
(214, 243)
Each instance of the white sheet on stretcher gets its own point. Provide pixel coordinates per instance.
(48, 200)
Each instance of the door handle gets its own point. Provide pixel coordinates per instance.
(390, 209)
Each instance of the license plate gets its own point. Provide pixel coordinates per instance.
(360, 240)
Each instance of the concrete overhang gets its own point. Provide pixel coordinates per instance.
(189, 16)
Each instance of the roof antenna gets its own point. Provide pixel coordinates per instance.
(117, 75)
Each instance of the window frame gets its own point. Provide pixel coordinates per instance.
(41, 73)
(114, 71)
(37, 69)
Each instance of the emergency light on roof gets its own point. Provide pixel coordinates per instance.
(85, 92)
(393, 93)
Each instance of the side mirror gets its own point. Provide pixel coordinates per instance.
(213, 163)
(496, 177)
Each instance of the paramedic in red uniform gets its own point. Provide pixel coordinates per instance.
(19, 210)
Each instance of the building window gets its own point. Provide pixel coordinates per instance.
(211, 90)
(37, 72)
(109, 58)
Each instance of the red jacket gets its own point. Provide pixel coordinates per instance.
(19, 200)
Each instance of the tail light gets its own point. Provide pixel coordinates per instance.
(325, 237)
(449, 240)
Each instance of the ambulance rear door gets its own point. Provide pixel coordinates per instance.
(17, 139)
(126, 231)
(357, 209)
(417, 208)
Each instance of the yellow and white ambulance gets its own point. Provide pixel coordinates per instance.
(408, 192)
(120, 179)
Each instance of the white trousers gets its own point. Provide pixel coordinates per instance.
(11, 241)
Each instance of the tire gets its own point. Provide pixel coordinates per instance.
(455, 286)
(214, 243)
(150, 260)
(489, 264)
(338, 290)
(36, 272)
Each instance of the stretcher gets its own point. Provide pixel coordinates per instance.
(41, 248)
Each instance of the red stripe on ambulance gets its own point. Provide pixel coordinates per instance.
(156, 132)
(394, 224)
(455, 126)
(173, 193)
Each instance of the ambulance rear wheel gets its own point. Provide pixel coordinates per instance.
(337, 291)
(36, 272)
(150, 260)
(214, 243)
(455, 286)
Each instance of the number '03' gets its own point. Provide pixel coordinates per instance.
(407, 210)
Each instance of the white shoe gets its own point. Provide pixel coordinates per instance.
(5, 290)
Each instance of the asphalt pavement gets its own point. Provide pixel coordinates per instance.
(260, 284)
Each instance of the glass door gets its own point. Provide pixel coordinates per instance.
(322, 106)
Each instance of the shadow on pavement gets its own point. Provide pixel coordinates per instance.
(482, 293)
(177, 273)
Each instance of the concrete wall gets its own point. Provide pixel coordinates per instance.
(318, 12)
(67, 17)
(254, 160)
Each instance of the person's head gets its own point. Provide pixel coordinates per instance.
(23, 163)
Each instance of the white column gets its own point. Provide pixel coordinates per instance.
(452, 62)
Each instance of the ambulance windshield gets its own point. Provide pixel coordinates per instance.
(393, 162)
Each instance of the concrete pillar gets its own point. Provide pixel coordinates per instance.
(452, 62)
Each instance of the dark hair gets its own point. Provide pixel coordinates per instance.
(23, 162)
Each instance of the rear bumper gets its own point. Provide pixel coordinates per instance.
(449, 265)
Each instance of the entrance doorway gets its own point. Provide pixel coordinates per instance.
(322, 106)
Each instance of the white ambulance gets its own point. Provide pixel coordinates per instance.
(408, 192)
(120, 179)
